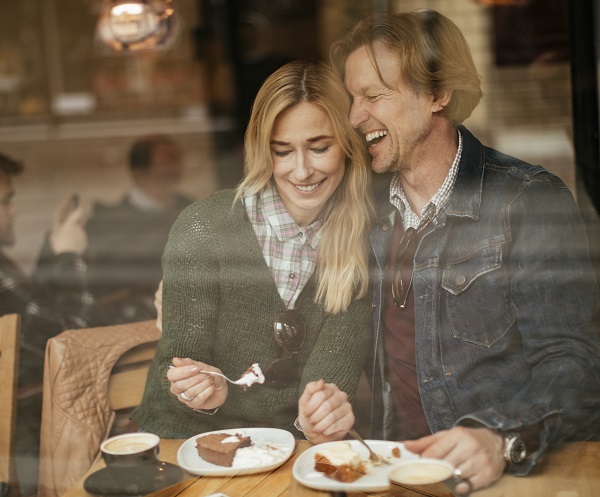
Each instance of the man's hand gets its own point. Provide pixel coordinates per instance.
(205, 391)
(324, 412)
(68, 234)
(477, 452)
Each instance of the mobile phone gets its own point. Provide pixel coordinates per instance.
(73, 204)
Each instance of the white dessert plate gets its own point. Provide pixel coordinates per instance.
(375, 480)
(282, 440)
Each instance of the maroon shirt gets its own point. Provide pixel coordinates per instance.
(399, 343)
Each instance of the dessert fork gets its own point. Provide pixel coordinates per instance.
(376, 458)
(235, 382)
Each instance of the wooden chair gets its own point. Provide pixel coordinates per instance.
(10, 331)
(126, 384)
(91, 377)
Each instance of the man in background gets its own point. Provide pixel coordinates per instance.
(126, 240)
(55, 298)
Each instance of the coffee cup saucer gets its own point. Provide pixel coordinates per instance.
(141, 480)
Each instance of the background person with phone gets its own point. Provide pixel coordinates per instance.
(53, 299)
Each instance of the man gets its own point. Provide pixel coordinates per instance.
(126, 241)
(484, 348)
(55, 299)
(44, 311)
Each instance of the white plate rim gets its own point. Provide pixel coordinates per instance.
(376, 481)
(274, 435)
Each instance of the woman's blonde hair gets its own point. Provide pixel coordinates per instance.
(342, 267)
(432, 52)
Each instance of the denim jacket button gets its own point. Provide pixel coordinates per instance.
(385, 227)
(460, 280)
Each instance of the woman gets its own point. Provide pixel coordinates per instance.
(286, 250)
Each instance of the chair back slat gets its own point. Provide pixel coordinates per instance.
(128, 376)
(10, 334)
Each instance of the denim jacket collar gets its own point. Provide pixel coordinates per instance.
(464, 201)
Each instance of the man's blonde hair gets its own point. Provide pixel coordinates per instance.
(342, 267)
(433, 55)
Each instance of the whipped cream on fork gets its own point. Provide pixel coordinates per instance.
(251, 376)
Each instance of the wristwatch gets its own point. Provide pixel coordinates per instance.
(515, 451)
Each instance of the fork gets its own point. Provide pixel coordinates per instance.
(376, 458)
(235, 382)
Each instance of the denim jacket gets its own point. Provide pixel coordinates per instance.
(504, 299)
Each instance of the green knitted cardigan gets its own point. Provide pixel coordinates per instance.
(219, 304)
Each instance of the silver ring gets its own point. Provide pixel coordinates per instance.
(458, 479)
(185, 397)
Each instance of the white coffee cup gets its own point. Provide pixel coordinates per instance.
(425, 471)
(131, 450)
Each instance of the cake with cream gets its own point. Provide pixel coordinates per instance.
(220, 448)
(340, 462)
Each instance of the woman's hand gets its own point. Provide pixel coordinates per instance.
(324, 412)
(206, 391)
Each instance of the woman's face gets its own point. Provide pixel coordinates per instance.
(308, 161)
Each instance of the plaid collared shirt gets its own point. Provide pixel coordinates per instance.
(55, 299)
(289, 250)
(399, 201)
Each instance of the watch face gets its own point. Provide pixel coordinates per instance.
(518, 452)
(515, 451)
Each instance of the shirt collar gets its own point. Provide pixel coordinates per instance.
(283, 224)
(436, 203)
(144, 202)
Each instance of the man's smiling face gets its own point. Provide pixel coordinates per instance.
(395, 119)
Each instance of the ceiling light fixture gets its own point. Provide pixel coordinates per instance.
(136, 25)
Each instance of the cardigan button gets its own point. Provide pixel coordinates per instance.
(385, 227)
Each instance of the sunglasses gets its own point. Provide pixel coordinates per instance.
(289, 330)
(399, 289)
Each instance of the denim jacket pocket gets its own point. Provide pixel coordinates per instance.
(476, 298)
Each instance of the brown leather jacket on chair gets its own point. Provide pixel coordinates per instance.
(77, 414)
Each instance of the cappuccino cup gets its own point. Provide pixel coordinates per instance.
(130, 450)
(425, 471)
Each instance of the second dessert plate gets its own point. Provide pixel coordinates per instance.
(375, 480)
(281, 441)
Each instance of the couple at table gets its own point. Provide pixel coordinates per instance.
(479, 291)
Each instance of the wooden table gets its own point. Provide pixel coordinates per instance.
(570, 471)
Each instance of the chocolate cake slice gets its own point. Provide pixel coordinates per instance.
(220, 448)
